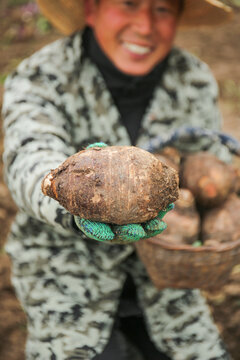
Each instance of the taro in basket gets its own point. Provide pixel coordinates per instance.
(176, 258)
(184, 266)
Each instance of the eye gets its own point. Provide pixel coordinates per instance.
(129, 4)
(163, 10)
(164, 7)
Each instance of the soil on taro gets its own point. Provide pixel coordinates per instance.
(220, 48)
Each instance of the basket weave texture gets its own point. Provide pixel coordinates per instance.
(187, 267)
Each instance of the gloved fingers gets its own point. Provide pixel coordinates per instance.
(128, 233)
(154, 227)
(119, 234)
(96, 144)
(155, 224)
(94, 230)
(162, 213)
(122, 234)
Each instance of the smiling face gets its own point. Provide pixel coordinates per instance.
(134, 34)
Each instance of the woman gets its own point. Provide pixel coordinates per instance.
(116, 78)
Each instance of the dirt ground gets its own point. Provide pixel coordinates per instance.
(220, 48)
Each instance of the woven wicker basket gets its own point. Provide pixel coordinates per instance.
(184, 266)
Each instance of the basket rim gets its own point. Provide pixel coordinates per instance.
(184, 247)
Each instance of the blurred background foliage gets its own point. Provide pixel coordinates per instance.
(26, 21)
(23, 30)
(232, 2)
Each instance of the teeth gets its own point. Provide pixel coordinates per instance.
(137, 49)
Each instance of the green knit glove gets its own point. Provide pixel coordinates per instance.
(134, 232)
(121, 234)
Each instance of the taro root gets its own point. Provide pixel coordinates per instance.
(236, 169)
(209, 179)
(183, 221)
(115, 184)
(169, 156)
(222, 223)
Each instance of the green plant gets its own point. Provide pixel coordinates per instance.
(3, 78)
(232, 2)
(43, 25)
(230, 89)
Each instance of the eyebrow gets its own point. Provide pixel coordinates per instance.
(166, 1)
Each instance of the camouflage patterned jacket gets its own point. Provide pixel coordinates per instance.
(55, 103)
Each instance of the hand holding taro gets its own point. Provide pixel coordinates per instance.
(117, 194)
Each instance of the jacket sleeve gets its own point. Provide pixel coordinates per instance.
(37, 138)
(179, 321)
(187, 98)
(201, 108)
(183, 327)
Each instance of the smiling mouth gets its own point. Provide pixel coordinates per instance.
(137, 49)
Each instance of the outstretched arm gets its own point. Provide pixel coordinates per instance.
(37, 139)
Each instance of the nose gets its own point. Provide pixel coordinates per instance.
(143, 21)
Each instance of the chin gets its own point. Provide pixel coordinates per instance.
(134, 70)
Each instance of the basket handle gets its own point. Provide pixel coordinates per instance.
(193, 133)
